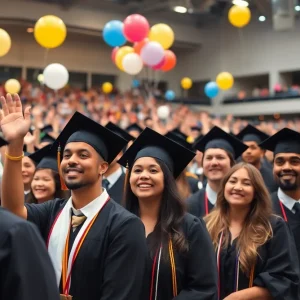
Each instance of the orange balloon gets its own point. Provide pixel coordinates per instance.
(170, 61)
(139, 45)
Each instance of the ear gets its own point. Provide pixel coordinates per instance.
(103, 166)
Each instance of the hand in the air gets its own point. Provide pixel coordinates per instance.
(13, 124)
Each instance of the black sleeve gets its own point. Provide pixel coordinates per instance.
(25, 267)
(126, 261)
(193, 204)
(201, 272)
(280, 274)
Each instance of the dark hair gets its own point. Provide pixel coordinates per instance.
(58, 192)
(170, 215)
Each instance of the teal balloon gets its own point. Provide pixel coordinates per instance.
(113, 33)
(135, 83)
(170, 95)
(211, 89)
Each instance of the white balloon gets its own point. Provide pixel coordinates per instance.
(163, 112)
(132, 63)
(56, 76)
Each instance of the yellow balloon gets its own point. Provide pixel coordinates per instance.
(225, 81)
(50, 31)
(239, 16)
(163, 34)
(121, 54)
(107, 87)
(5, 42)
(186, 83)
(12, 86)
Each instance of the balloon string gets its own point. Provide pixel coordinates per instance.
(46, 57)
(241, 38)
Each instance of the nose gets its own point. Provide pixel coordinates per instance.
(214, 161)
(286, 166)
(144, 175)
(72, 160)
(238, 187)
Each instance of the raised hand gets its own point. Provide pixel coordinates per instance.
(13, 124)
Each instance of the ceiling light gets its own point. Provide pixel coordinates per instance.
(30, 30)
(262, 18)
(180, 9)
(240, 3)
(297, 8)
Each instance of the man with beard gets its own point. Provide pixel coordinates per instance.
(97, 248)
(254, 155)
(286, 147)
(114, 177)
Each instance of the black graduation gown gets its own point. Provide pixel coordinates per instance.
(26, 271)
(277, 267)
(116, 191)
(111, 261)
(196, 270)
(196, 204)
(193, 183)
(292, 219)
(267, 175)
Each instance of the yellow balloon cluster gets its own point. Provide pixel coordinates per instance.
(239, 16)
(225, 81)
(163, 34)
(12, 86)
(107, 87)
(186, 83)
(50, 31)
(5, 42)
(121, 54)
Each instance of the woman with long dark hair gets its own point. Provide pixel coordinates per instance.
(181, 262)
(256, 254)
(220, 150)
(45, 184)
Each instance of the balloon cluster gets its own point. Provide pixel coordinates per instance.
(224, 81)
(150, 46)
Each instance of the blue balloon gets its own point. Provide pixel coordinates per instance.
(113, 33)
(170, 95)
(211, 89)
(135, 83)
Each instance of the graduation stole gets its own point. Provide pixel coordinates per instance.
(156, 264)
(206, 204)
(283, 211)
(58, 241)
(237, 268)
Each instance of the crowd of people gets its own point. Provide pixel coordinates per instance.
(132, 206)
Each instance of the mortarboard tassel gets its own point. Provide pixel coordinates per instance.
(62, 182)
(125, 185)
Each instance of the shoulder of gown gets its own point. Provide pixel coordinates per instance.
(280, 274)
(195, 203)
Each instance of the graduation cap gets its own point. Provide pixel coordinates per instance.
(284, 141)
(180, 139)
(83, 129)
(134, 127)
(45, 158)
(119, 131)
(47, 129)
(218, 138)
(178, 133)
(152, 144)
(252, 134)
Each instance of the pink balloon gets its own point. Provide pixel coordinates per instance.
(136, 28)
(114, 53)
(152, 53)
(159, 65)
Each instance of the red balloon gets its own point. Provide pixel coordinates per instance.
(170, 62)
(158, 66)
(114, 53)
(139, 45)
(136, 28)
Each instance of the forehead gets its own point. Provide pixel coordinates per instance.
(286, 155)
(26, 159)
(250, 143)
(215, 151)
(144, 161)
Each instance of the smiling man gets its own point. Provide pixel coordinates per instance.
(254, 155)
(97, 248)
(286, 147)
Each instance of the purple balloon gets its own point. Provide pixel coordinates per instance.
(152, 53)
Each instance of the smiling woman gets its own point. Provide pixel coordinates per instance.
(256, 253)
(176, 240)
